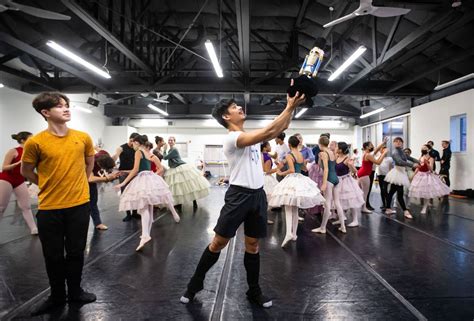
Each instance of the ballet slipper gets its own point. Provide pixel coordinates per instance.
(269, 222)
(366, 211)
(407, 214)
(353, 224)
(321, 230)
(143, 241)
(286, 240)
(176, 217)
(34, 231)
(294, 237)
(102, 227)
(338, 222)
(423, 210)
(342, 229)
(389, 211)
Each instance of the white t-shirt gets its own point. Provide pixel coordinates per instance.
(385, 166)
(245, 163)
(281, 151)
(357, 160)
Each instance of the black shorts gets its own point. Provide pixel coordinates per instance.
(243, 205)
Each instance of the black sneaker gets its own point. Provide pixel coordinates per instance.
(82, 297)
(48, 306)
(260, 300)
(187, 297)
(195, 205)
(127, 218)
(136, 216)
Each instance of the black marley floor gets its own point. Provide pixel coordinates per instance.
(387, 269)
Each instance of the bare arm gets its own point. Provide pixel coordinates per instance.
(291, 166)
(89, 165)
(118, 151)
(324, 160)
(350, 163)
(278, 125)
(28, 171)
(7, 161)
(376, 161)
(134, 171)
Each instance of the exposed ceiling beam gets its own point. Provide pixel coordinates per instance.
(342, 9)
(301, 13)
(390, 36)
(181, 98)
(114, 41)
(400, 46)
(448, 60)
(29, 77)
(49, 59)
(242, 8)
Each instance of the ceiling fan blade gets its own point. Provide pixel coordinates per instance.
(385, 12)
(342, 19)
(164, 97)
(37, 12)
(161, 101)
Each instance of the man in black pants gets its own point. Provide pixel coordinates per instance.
(126, 155)
(446, 161)
(245, 200)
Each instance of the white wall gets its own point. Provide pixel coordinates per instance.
(431, 121)
(114, 136)
(17, 114)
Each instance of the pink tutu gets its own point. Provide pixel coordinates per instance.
(316, 174)
(427, 185)
(350, 194)
(146, 189)
(296, 190)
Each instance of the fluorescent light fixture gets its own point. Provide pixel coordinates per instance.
(83, 109)
(149, 123)
(77, 59)
(373, 112)
(2, 85)
(213, 56)
(348, 62)
(454, 82)
(301, 112)
(161, 111)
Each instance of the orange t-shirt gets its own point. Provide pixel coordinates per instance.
(61, 168)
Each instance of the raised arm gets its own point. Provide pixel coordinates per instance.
(376, 161)
(278, 125)
(7, 161)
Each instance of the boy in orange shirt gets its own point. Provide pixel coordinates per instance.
(63, 159)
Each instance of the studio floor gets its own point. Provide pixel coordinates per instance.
(386, 269)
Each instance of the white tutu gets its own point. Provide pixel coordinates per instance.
(269, 185)
(144, 190)
(427, 185)
(350, 193)
(186, 183)
(398, 176)
(296, 190)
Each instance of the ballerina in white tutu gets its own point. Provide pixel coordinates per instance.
(269, 180)
(398, 177)
(350, 194)
(426, 184)
(294, 191)
(145, 190)
(185, 181)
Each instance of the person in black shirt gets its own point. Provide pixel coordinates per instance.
(126, 155)
(433, 153)
(446, 161)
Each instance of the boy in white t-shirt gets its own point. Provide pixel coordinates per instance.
(245, 200)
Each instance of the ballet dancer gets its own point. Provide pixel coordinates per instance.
(12, 182)
(398, 177)
(185, 181)
(245, 200)
(350, 194)
(145, 189)
(382, 170)
(307, 154)
(330, 180)
(269, 179)
(426, 184)
(368, 161)
(295, 190)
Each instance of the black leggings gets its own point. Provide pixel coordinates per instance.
(399, 190)
(383, 190)
(371, 176)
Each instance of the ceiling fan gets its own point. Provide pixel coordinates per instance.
(156, 97)
(34, 11)
(366, 8)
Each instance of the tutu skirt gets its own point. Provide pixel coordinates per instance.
(186, 184)
(269, 185)
(296, 190)
(144, 190)
(398, 176)
(316, 174)
(350, 193)
(427, 185)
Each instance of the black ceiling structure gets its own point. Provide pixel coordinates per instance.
(157, 46)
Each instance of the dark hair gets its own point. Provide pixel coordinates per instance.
(263, 145)
(430, 142)
(222, 110)
(293, 141)
(324, 140)
(446, 142)
(355, 150)
(48, 100)
(409, 150)
(105, 162)
(343, 147)
(133, 135)
(149, 144)
(141, 139)
(21, 136)
(158, 139)
(398, 139)
(366, 144)
(281, 136)
(325, 135)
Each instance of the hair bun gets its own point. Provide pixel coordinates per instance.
(15, 136)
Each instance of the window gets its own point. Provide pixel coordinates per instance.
(395, 128)
(459, 133)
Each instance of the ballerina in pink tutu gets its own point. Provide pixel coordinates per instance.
(426, 184)
(145, 190)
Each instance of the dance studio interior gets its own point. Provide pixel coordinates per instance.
(237, 160)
